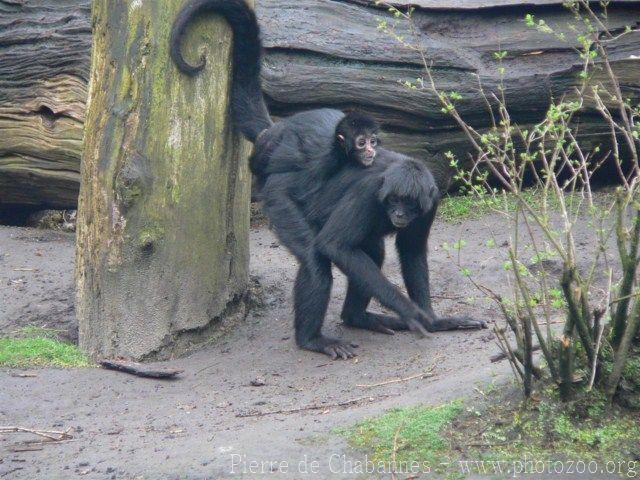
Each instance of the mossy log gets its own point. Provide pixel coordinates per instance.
(318, 53)
(162, 249)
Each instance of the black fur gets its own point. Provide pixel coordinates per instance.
(409, 179)
(344, 221)
(326, 209)
(249, 109)
(355, 121)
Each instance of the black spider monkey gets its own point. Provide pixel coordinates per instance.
(304, 180)
(288, 146)
(358, 209)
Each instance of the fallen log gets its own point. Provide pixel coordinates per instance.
(318, 53)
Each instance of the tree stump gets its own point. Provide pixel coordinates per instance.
(162, 240)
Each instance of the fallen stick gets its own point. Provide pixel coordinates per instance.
(312, 407)
(53, 435)
(25, 449)
(6, 474)
(426, 373)
(140, 369)
(421, 375)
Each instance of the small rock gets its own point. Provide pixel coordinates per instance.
(258, 382)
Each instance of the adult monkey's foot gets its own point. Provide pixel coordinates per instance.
(376, 322)
(330, 346)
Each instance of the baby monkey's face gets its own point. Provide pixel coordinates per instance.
(364, 148)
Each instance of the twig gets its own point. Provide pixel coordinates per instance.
(206, 368)
(140, 370)
(553, 322)
(594, 365)
(28, 448)
(312, 407)
(395, 451)
(33, 443)
(54, 435)
(448, 297)
(6, 474)
(426, 373)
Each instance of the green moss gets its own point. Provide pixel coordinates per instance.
(40, 352)
(150, 236)
(412, 433)
(125, 83)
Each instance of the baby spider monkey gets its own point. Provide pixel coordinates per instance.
(357, 134)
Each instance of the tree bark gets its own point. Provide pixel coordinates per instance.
(44, 69)
(162, 249)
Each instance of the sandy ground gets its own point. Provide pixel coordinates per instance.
(195, 427)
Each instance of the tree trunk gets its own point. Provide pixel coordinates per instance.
(162, 252)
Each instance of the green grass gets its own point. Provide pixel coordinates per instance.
(40, 351)
(411, 434)
(500, 428)
(457, 208)
(587, 429)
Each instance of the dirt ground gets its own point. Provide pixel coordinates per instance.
(196, 426)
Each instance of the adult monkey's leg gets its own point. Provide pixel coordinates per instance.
(312, 287)
(354, 311)
(287, 220)
(311, 297)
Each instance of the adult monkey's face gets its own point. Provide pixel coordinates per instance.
(401, 210)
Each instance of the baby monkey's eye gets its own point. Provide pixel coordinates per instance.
(361, 142)
(374, 140)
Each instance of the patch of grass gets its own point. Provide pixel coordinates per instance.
(33, 331)
(406, 435)
(587, 429)
(457, 208)
(502, 430)
(40, 351)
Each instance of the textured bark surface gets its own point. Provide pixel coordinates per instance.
(319, 53)
(162, 250)
(44, 69)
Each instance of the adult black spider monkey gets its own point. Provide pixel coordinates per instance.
(307, 183)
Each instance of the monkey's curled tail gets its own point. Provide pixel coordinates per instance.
(249, 110)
